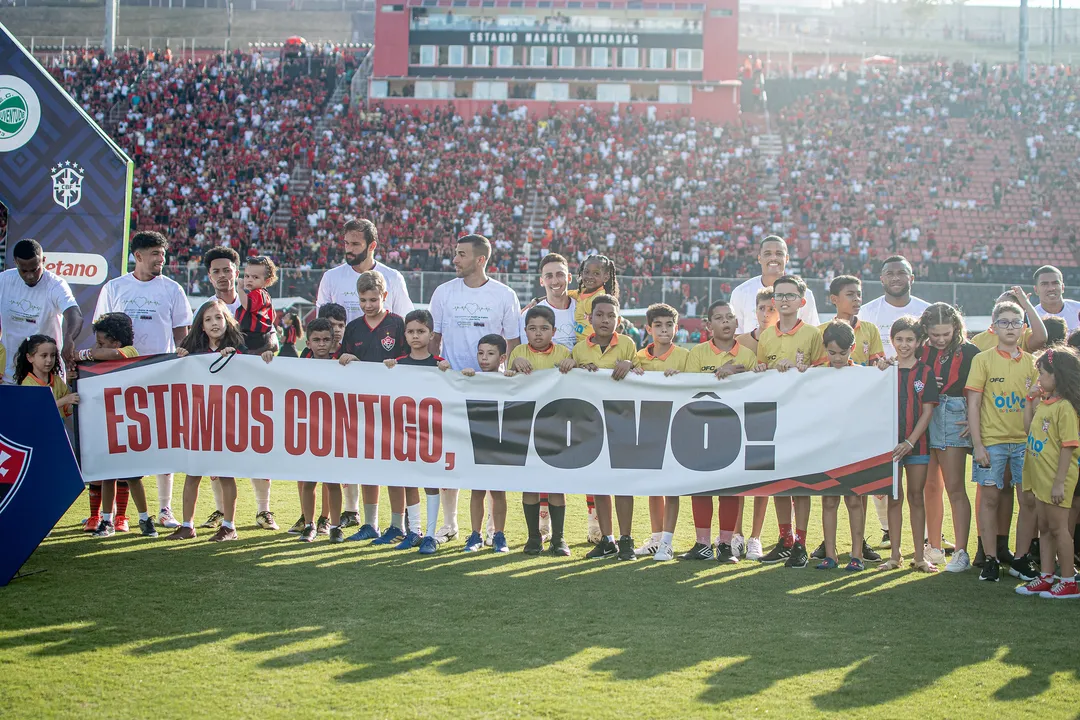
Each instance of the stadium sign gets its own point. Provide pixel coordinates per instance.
(554, 39)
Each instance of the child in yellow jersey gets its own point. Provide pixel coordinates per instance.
(606, 349)
(38, 365)
(845, 292)
(765, 309)
(540, 352)
(790, 344)
(664, 355)
(997, 387)
(1050, 468)
(1033, 336)
(597, 278)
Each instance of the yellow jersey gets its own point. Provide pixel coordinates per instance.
(129, 351)
(539, 359)
(1053, 427)
(868, 348)
(620, 348)
(673, 359)
(801, 345)
(748, 341)
(988, 339)
(706, 357)
(582, 310)
(1004, 383)
(57, 385)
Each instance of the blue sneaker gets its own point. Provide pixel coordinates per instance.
(474, 543)
(408, 542)
(365, 533)
(498, 543)
(391, 536)
(429, 545)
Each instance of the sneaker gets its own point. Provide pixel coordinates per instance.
(214, 521)
(533, 546)
(1037, 586)
(738, 546)
(777, 554)
(856, 565)
(626, 548)
(700, 551)
(959, 563)
(819, 552)
(447, 533)
(322, 525)
(146, 527)
(166, 519)
(181, 533)
(476, 542)
(649, 548)
(391, 536)
(1024, 567)
(105, 529)
(266, 521)
(337, 535)
(308, 533)
(429, 545)
(498, 543)
(92, 523)
(868, 553)
(886, 541)
(797, 557)
(1063, 590)
(935, 556)
(410, 541)
(121, 524)
(224, 534)
(367, 532)
(545, 523)
(558, 547)
(827, 564)
(603, 549)
(754, 551)
(725, 554)
(349, 519)
(991, 571)
(594, 536)
(296, 529)
(663, 552)
(488, 534)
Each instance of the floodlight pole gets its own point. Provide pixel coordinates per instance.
(111, 7)
(1023, 40)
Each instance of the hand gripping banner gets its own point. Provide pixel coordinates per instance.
(823, 432)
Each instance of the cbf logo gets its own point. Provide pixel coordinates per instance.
(20, 113)
(14, 461)
(67, 184)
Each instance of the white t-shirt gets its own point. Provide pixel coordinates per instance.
(744, 305)
(338, 285)
(26, 311)
(463, 315)
(155, 307)
(565, 325)
(1070, 313)
(881, 313)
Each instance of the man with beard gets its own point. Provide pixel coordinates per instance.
(773, 257)
(1050, 286)
(338, 285)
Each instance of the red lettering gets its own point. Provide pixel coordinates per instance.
(405, 429)
(262, 434)
(236, 419)
(206, 418)
(295, 425)
(321, 424)
(158, 392)
(369, 424)
(430, 422)
(386, 431)
(113, 420)
(180, 425)
(135, 400)
(345, 413)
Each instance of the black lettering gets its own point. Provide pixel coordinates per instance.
(581, 446)
(495, 443)
(706, 436)
(631, 446)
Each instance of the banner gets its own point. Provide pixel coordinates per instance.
(64, 182)
(821, 432)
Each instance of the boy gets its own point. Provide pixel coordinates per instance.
(335, 314)
(790, 344)
(722, 356)
(555, 278)
(765, 310)
(1033, 336)
(419, 326)
(376, 336)
(845, 292)
(115, 340)
(999, 382)
(605, 348)
(662, 322)
(538, 350)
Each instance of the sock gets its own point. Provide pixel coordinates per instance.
(558, 519)
(412, 517)
(785, 534)
(666, 537)
(227, 524)
(164, 490)
(656, 536)
(144, 516)
(94, 493)
(590, 502)
(397, 520)
(350, 498)
(189, 525)
(262, 494)
(433, 513)
(725, 536)
(449, 503)
(107, 517)
(532, 518)
(371, 515)
(219, 504)
(800, 536)
(702, 510)
(611, 538)
(122, 494)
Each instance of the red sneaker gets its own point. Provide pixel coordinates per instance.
(121, 523)
(1063, 590)
(1041, 584)
(91, 524)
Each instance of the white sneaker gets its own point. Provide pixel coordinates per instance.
(166, 519)
(738, 545)
(649, 548)
(753, 549)
(489, 535)
(445, 534)
(594, 535)
(489, 530)
(663, 552)
(936, 556)
(545, 524)
(959, 563)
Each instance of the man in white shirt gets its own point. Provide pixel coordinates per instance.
(897, 278)
(35, 301)
(160, 315)
(555, 278)
(1050, 286)
(773, 257)
(466, 309)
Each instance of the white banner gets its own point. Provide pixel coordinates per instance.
(824, 431)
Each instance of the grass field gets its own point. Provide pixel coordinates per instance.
(269, 627)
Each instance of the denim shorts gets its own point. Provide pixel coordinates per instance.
(916, 460)
(944, 430)
(1009, 455)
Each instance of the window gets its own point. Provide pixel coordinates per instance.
(428, 55)
(481, 55)
(483, 90)
(599, 57)
(688, 59)
(552, 91)
(379, 89)
(675, 94)
(538, 56)
(606, 92)
(504, 56)
(630, 58)
(430, 89)
(566, 57)
(658, 59)
(456, 55)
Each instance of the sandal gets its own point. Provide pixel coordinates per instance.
(856, 565)
(923, 566)
(891, 564)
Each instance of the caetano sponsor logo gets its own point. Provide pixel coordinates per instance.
(78, 268)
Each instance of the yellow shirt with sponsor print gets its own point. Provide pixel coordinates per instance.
(801, 345)
(582, 311)
(673, 359)
(129, 351)
(1053, 427)
(540, 360)
(1004, 383)
(58, 386)
(621, 347)
(988, 339)
(706, 357)
(868, 347)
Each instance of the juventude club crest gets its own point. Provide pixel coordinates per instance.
(67, 184)
(20, 113)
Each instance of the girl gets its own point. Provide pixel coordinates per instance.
(212, 331)
(1050, 468)
(37, 364)
(293, 333)
(949, 358)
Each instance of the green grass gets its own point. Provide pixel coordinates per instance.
(268, 627)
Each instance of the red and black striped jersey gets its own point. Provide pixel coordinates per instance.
(951, 369)
(917, 386)
(258, 316)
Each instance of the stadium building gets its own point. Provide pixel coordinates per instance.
(679, 57)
